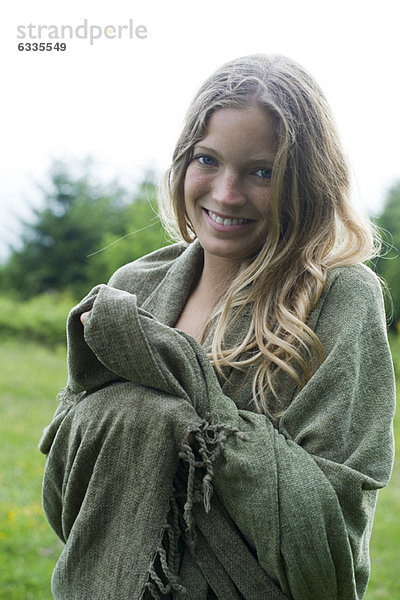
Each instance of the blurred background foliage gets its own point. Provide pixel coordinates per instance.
(82, 233)
(388, 264)
(78, 238)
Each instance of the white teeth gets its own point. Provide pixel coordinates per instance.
(220, 221)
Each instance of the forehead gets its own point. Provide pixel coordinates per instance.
(250, 130)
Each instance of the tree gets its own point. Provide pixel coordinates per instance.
(142, 233)
(59, 249)
(388, 265)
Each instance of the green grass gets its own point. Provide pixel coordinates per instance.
(385, 542)
(30, 376)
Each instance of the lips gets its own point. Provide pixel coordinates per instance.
(224, 220)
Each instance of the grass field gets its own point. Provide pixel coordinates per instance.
(30, 375)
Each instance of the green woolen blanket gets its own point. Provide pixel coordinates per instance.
(251, 508)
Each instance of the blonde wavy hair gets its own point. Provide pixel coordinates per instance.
(313, 227)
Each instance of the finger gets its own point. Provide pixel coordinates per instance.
(84, 316)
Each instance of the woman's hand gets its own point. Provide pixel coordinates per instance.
(84, 316)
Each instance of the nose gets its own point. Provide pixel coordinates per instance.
(227, 189)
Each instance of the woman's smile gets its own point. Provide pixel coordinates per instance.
(225, 223)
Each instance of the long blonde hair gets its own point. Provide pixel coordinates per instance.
(312, 228)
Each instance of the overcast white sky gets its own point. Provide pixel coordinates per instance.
(123, 100)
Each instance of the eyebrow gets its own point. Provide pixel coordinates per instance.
(265, 159)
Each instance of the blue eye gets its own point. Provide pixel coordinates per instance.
(264, 173)
(205, 159)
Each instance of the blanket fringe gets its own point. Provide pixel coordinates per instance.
(209, 443)
(192, 485)
(67, 397)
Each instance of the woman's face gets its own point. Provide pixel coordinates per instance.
(227, 183)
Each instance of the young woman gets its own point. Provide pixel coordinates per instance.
(227, 419)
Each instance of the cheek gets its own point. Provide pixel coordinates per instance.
(189, 193)
(195, 184)
(262, 202)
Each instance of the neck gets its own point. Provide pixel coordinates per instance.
(217, 274)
